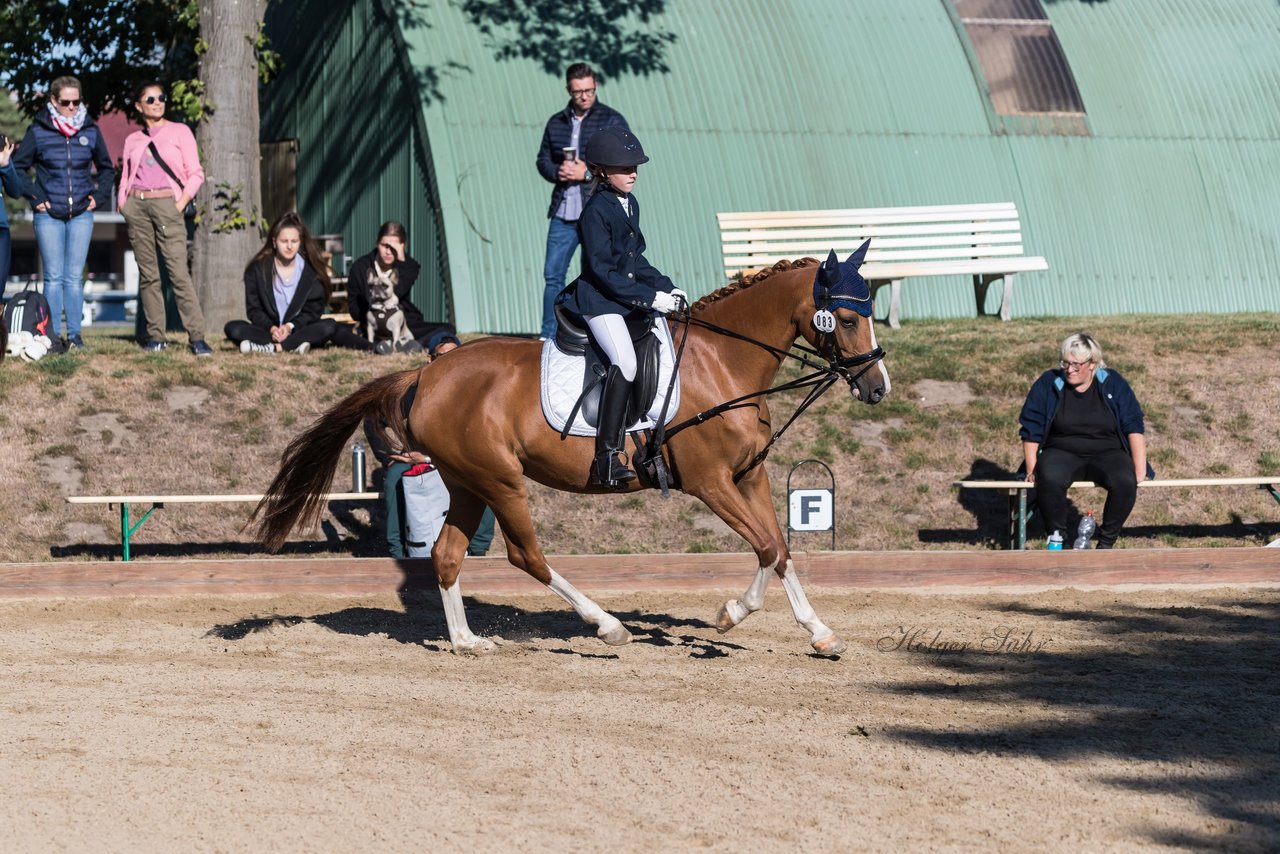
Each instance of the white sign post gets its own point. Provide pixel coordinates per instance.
(811, 509)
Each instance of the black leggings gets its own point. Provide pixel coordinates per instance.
(1112, 470)
(314, 334)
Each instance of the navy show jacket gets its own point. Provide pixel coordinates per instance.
(616, 278)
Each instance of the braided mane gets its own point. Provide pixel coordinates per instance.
(743, 282)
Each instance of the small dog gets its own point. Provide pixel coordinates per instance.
(385, 324)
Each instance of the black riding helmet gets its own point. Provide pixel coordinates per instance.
(615, 147)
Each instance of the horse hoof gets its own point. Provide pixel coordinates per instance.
(617, 636)
(478, 647)
(830, 645)
(730, 614)
(724, 621)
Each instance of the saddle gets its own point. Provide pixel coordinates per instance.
(573, 370)
(573, 338)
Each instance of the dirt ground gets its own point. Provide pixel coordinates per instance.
(1012, 720)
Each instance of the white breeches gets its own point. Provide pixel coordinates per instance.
(611, 333)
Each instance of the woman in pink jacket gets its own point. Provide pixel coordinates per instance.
(159, 176)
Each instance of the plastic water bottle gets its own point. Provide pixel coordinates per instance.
(1055, 541)
(1088, 526)
(357, 467)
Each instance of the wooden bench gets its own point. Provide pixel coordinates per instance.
(159, 501)
(982, 241)
(1017, 493)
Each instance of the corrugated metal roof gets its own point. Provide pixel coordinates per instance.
(797, 104)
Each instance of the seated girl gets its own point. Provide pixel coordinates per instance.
(286, 289)
(391, 264)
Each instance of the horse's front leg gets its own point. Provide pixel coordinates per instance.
(748, 508)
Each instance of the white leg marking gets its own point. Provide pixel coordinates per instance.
(884, 369)
(455, 616)
(824, 640)
(736, 610)
(610, 628)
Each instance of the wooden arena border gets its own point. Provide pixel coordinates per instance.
(613, 573)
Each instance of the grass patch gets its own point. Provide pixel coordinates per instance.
(1269, 462)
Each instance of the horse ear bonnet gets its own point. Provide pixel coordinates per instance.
(842, 283)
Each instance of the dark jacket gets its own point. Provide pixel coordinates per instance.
(616, 278)
(431, 334)
(12, 186)
(1046, 395)
(306, 307)
(64, 176)
(556, 136)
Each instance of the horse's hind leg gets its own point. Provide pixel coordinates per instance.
(446, 556)
(512, 510)
(510, 503)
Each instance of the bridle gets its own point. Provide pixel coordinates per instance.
(818, 381)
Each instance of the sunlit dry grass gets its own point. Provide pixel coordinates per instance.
(1209, 386)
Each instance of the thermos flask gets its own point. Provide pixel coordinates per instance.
(357, 467)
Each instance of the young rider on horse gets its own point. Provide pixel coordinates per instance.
(617, 285)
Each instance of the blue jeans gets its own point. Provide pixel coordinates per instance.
(64, 246)
(4, 256)
(562, 242)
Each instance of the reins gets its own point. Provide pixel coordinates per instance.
(821, 379)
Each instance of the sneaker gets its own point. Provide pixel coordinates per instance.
(75, 342)
(410, 346)
(57, 346)
(250, 347)
(303, 349)
(200, 348)
(155, 346)
(382, 348)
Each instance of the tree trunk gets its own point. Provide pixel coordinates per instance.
(230, 201)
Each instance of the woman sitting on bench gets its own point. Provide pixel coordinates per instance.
(1083, 419)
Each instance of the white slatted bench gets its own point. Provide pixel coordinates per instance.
(983, 241)
(159, 501)
(1017, 492)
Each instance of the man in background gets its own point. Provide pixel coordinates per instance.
(566, 134)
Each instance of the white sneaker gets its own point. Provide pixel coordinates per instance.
(303, 349)
(250, 347)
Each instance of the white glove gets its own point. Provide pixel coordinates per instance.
(681, 296)
(664, 302)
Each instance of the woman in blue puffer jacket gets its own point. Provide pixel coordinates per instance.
(65, 147)
(13, 187)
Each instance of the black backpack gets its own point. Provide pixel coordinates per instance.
(28, 311)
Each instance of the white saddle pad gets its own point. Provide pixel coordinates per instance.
(562, 379)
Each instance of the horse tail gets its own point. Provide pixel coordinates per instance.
(296, 496)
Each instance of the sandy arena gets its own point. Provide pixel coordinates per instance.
(1063, 719)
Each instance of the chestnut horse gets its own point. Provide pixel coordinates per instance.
(478, 416)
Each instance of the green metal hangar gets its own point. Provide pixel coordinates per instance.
(1140, 139)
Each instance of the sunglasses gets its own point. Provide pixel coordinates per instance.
(69, 102)
(151, 99)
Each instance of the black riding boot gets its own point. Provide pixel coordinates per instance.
(610, 439)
